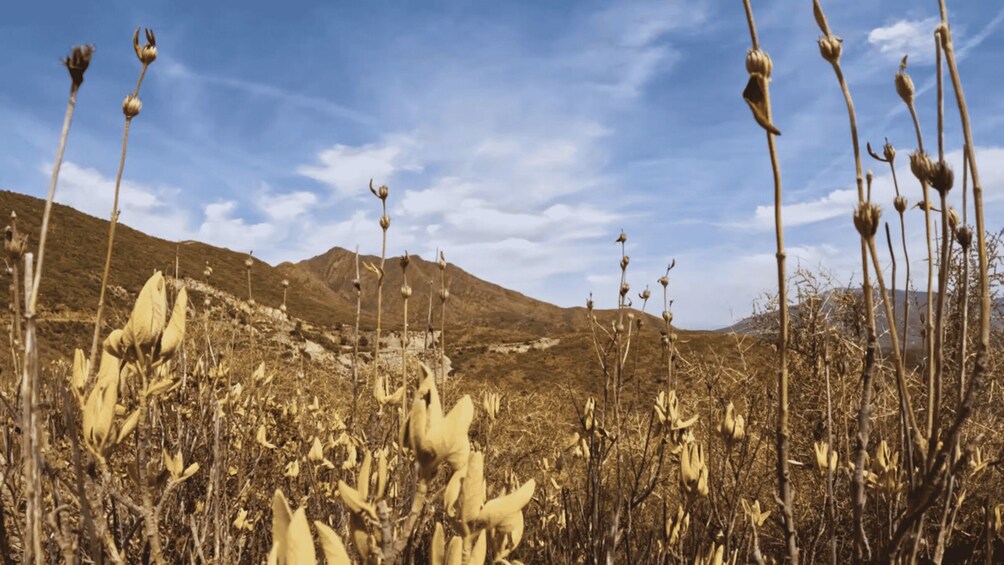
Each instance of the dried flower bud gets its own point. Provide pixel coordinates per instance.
(942, 177)
(444, 294)
(664, 281)
(622, 238)
(625, 261)
(405, 292)
(381, 192)
(645, 294)
(131, 106)
(146, 53)
(625, 288)
(758, 61)
(442, 261)
(248, 262)
(285, 283)
(965, 236)
(953, 219)
(405, 261)
(904, 84)
(384, 222)
(921, 166)
(866, 219)
(900, 204)
(589, 302)
(667, 316)
(78, 61)
(889, 152)
(830, 47)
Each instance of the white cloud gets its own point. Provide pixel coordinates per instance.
(221, 227)
(906, 37)
(149, 209)
(286, 206)
(348, 170)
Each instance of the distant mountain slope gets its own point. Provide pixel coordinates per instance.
(75, 256)
(473, 302)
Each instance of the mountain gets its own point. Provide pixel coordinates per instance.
(75, 255)
(472, 302)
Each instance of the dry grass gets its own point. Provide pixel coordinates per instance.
(224, 419)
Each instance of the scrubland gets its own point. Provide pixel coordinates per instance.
(187, 420)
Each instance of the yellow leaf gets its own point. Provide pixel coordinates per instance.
(332, 546)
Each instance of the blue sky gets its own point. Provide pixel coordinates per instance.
(519, 137)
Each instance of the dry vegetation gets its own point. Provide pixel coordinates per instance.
(189, 432)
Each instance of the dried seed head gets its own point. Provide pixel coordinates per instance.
(758, 61)
(77, 62)
(625, 288)
(146, 53)
(625, 261)
(589, 303)
(442, 261)
(381, 192)
(384, 222)
(900, 204)
(405, 292)
(953, 219)
(965, 236)
(664, 281)
(285, 283)
(208, 271)
(667, 316)
(921, 166)
(869, 176)
(131, 106)
(645, 294)
(830, 47)
(904, 84)
(444, 294)
(248, 262)
(282, 308)
(357, 284)
(866, 219)
(622, 238)
(889, 152)
(942, 177)
(405, 261)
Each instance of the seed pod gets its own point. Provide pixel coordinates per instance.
(889, 152)
(645, 294)
(830, 47)
(384, 222)
(866, 219)
(942, 177)
(444, 294)
(357, 284)
(625, 288)
(405, 292)
(442, 261)
(965, 236)
(904, 84)
(664, 281)
(625, 261)
(146, 53)
(900, 204)
(285, 283)
(381, 192)
(131, 106)
(667, 316)
(405, 261)
(953, 220)
(921, 166)
(622, 238)
(78, 61)
(758, 61)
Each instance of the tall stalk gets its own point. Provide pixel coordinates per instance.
(76, 64)
(757, 95)
(131, 106)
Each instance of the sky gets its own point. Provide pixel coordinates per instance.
(518, 137)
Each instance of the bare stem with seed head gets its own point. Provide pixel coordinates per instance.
(147, 54)
(757, 95)
(76, 64)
